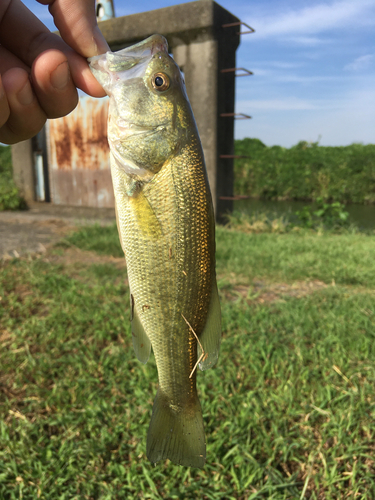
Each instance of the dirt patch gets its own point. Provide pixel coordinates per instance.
(261, 292)
(37, 229)
(76, 261)
(257, 292)
(19, 238)
(73, 256)
(40, 228)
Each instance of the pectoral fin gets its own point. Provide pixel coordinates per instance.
(146, 218)
(210, 338)
(141, 342)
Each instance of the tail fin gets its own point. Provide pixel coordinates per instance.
(177, 435)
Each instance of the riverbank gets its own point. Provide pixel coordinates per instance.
(359, 215)
(24, 232)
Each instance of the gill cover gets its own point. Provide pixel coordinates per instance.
(142, 82)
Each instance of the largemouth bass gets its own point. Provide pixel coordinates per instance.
(166, 227)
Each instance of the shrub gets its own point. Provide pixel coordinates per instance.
(306, 171)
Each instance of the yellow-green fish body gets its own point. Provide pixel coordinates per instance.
(166, 227)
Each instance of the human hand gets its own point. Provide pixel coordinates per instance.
(40, 72)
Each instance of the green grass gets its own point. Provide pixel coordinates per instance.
(306, 171)
(289, 409)
(10, 198)
(346, 259)
(102, 240)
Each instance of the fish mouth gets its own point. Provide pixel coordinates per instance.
(124, 130)
(146, 48)
(127, 63)
(125, 59)
(137, 56)
(159, 44)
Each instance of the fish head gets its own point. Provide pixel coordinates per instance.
(149, 116)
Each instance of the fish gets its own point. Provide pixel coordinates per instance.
(166, 226)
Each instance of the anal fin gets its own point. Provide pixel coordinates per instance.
(141, 342)
(210, 338)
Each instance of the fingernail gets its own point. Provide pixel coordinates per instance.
(26, 95)
(60, 76)
(101, 46)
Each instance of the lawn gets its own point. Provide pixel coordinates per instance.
(289, 409)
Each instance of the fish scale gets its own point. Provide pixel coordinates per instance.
(166, 227)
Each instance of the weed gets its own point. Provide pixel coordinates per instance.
(258, 222)
(326, 215)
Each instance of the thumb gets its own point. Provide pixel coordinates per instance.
(76, 22)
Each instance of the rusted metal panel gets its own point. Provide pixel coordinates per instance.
(78, 156)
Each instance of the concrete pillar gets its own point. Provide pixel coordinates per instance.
(23, 169)
(227, 43)
(198, 61)
(211, 94)
(202, 47)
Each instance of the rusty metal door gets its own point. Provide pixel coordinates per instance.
(78, 156)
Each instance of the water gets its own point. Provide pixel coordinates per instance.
(361, 215)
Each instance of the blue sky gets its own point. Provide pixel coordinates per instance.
(313, 64)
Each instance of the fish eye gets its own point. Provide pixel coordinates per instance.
(160, 82)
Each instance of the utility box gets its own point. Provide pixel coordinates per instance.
(203, 38)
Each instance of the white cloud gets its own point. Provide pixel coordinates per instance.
(283, 64)
(282, 76)
(316, 19)
(361, 63)
(287, 104)
(341, 121)
(309, 41)
(262, 72)
(291, 78)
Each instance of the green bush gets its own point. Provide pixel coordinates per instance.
(10, 198)
(328, 215)
(306, 171)
(259, 222)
